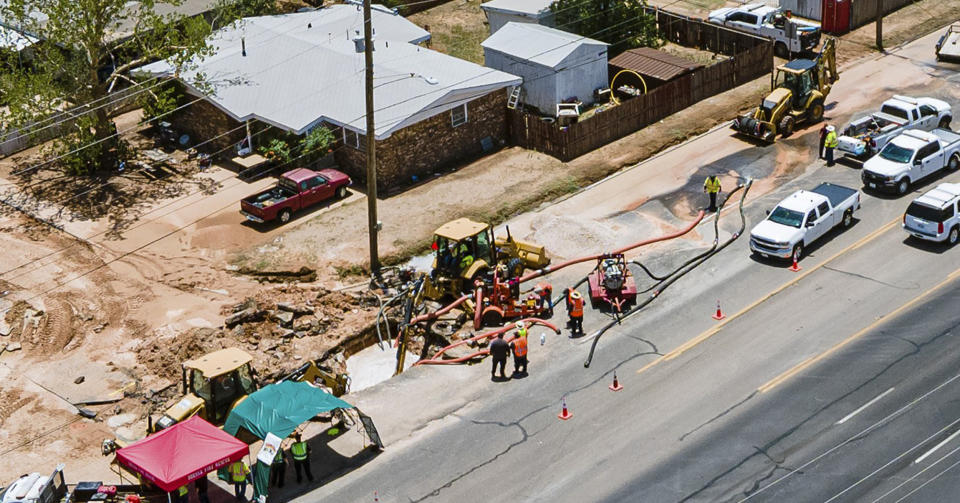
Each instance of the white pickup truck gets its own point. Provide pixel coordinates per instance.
(911, 156)
(790, 36)
(868, 135)
(802, 218)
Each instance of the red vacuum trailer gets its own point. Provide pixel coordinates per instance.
(612, 283)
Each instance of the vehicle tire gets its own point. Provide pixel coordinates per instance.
(285, 216)
(816, 111)
(847, 218)
(903, 186)
(954, 163)
(780, 50)
(798, 252)
(945, 122)
(786, 126)
(341, 192)
(954, 235)
(515, 267)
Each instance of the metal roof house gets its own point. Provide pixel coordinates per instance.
(501, 12)
(299, 71)
(555, 65)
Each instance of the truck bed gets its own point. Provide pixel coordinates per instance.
(270, 197)
(950, 46)
(947, 136)
(837, 194)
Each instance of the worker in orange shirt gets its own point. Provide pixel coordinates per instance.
(575, 311)
(519, 346)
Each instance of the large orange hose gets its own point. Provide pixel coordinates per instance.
(528, 322)
(435, 314)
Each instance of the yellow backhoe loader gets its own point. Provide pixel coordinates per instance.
(465, 251)
(799, 91)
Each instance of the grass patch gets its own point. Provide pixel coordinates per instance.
(460, 42)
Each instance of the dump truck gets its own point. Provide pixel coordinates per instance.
(466, 251)
(799, 91)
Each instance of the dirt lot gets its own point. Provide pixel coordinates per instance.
(106, 309)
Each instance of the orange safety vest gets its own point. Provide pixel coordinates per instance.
(520, 346)
(577, 309)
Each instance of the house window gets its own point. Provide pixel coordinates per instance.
(458, 116)
(351, 138)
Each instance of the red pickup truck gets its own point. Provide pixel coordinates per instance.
(297, 189)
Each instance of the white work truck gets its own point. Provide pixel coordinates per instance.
(868, 135)
(911, 156)
(790, 36)
(802, 218)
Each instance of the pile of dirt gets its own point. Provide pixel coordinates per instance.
(281, 328)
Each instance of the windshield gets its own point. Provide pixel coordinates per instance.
(894, 111)
(787, 79)
(786, 217)
(928, 213)
(896, 153)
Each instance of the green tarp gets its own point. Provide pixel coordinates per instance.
(278, 408)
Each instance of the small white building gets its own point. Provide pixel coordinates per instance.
(501, 12)
(554, 65)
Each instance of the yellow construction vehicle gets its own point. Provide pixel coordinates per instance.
(799, 91)
(465, 251)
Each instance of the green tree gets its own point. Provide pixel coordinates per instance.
(87, 47)
(624, 24)
(277, 150)
(316, 143)
(161, 101)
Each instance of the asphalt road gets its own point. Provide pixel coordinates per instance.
(712, 411)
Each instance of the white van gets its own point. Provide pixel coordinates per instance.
(933, 216)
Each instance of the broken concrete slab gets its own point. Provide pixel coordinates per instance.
(285, 318)
(245, 316)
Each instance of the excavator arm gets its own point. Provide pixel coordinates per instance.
(827, 65)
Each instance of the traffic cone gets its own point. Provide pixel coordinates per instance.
(564, 414)
(375, 497)
(795, 267)
(719, 315)
(616, 384)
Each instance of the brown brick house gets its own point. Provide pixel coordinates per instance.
(292, 72)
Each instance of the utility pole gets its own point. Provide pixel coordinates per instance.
(373, 224)
(880, 25)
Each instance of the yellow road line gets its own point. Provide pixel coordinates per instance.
(716, 328)
(814, 359)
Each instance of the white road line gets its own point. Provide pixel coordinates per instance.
(941, 444)
(864, 406)
(867, 430)
(931, 479)
(907, 481)
(894, 460)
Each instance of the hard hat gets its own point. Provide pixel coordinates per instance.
(519, 324)
(831, 128)
(575, 294)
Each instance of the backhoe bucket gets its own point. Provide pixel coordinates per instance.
(533, 256)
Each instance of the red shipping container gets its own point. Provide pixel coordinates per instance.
(836, 16)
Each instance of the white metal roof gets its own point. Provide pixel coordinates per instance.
(538, 44)
(302, 69)
(527, 8)
(15, 40)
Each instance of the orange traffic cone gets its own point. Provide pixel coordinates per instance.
(719, 315)
(375, 498)
(564, 414)
(795, 267)
(616, 384)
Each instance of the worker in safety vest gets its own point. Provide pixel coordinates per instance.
(203, 486)
(576, 313)
(183, 494)
(830, 143)
(466, 258)
(712, 186)
(301, 457)
(519, 346)
(278, 468)
(238, 476)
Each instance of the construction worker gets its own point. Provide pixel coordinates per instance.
(238, 475)
(499, 349)
(466, 258)
(712, 186)
(830, 143)
(576, 313)
(823, 139)
(519, 346)
(301, 457)
(183, 494)
(278, 468)
(203, 485)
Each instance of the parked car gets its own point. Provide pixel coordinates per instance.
(790, 36)
(910, 157)
(933, 216)
(297, 189)
(868, 135)
(802, 218)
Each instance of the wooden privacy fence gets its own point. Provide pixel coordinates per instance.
(865, 11)
(751, 57)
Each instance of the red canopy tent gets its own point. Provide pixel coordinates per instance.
(182, 453)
